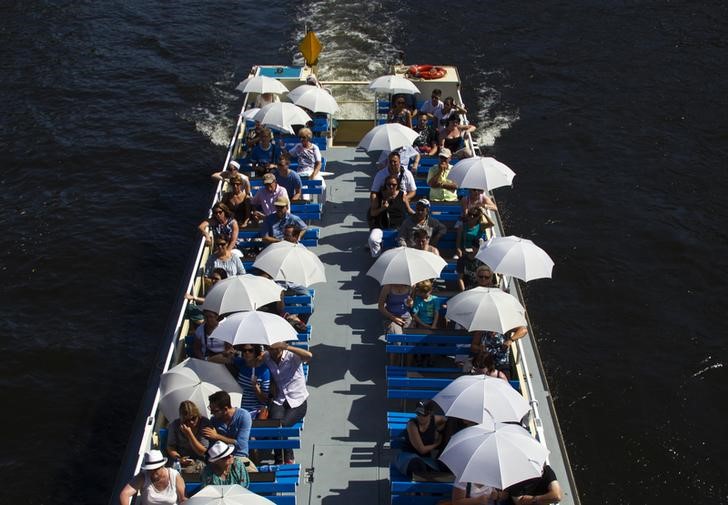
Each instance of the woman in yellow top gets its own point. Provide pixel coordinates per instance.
(442, 189)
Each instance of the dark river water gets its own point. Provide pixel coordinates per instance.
(613, 114)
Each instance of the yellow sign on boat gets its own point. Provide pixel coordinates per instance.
(310, 48)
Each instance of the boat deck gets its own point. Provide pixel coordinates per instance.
(345, 442)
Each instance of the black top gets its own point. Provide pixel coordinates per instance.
(428, 436)
(393, 216)
(534, 487)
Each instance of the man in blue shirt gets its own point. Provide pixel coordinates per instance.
(275, 224)
(288, 178)
(229, 424)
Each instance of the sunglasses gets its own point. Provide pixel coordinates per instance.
(248, 349)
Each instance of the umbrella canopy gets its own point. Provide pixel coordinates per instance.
(286, 261)
(481, 173)
(250, 113)
(242, 292)
(497, 458)
(234, 494)
(194, 380)
(282, 115)
(393, 84)
(482, 399)
(261, 84)
(517, 257)
(406, 265)
(487, 309)
(387, 137)
(254, 328)
(314, 98)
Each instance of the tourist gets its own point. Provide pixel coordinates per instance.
(421, 241)
(422, 437)
(287, 178)
(467, 267)
(238, 199)
(476, 198)
(394, 168)
(222, 225)
(254, 379)
(476, 226)
(222, 257)
(497, 344)
(406, 153)
(486, 278)
(433, 104)
(421, 219)
(543, 489)
(230, 425)
(232, 170)
(426, 141)
(156, 483)
(264, 99)
(394, 303)
(289, 403)
(452, 138)
(274, 224)
(469, 493)
(426, 307)
(223, 468)
(387, 211)
(265, 198)
(265, 154)
(484, 364)
(185, 442)
(307, 154)
(442, 189)
(205, 345)
(400, 113)
(447, 111)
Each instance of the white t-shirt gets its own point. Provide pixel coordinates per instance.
(405, 154)
(476, 490)
(407, 180)
(428, 108)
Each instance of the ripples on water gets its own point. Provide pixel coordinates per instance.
(613, 116)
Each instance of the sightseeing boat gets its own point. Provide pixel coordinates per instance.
(345, 451)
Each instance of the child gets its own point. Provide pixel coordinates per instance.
(426, 308)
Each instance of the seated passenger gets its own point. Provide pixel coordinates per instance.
(274, 224)
(230, 425)
(497, 344)
(405, 179)
(433, 104)
(238, 200)
(399, 113)
(452, 138)
(307, 154)
(476, 226)
(421, 219)
(223, 468)
(387, 210)
(290, 401)
(422, 241)
(476, 198)
(426, 307)
(265, 198)
(467, 268)
(466, 493)
(544, 489)
(223, 258)
(395, 301)
(233, 169)
(252, 136)
(442, 189)
(484, 364)
(486, 278)
(266, 99)
(292, 233)
(185, 441)
(448, 110)
(422, 437)
(406, 154)
(265, 154)
(287, 178)
(253, 379)
(156, 483)
(205, 346)
(221, 225)
(426, 142)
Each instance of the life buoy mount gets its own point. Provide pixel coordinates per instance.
(426, 72)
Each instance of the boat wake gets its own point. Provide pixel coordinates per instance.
(215, 120)
(493, 116)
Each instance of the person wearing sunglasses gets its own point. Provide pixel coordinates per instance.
(387, 211)
(185, 441)
(221, 225)
(253, 378)
(399, 113)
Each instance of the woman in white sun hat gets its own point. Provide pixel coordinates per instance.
(156, 483)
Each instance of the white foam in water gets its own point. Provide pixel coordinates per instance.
(493, 116)
(214, 120)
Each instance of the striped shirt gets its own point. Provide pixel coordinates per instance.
(250, 402)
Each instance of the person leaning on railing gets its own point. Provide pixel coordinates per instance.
(221, 225)
(156, 483)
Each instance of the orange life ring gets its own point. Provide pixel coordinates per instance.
(426, 72)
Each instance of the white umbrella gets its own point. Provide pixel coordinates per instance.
(393, 84)
(254, 328)
(515, 256)
(242, 292)
(286, 261)
(250, 113)
(233, 494)
(497, 458)
(313, 98)
(482, 399)
(406, 265)
(481, 173)
(387, 137)
(194, 380)
(282, 115)
(261, 84)
(488, 309)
